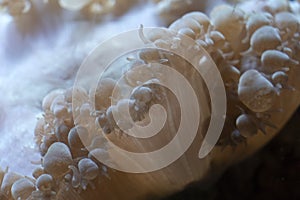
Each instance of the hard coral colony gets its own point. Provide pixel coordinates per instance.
(257, 54)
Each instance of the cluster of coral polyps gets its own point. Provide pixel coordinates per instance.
(257, 55)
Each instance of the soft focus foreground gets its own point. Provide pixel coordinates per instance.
(256, 53)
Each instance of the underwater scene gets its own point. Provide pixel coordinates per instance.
(149, 99)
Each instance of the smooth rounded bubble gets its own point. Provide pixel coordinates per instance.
(103, 62)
